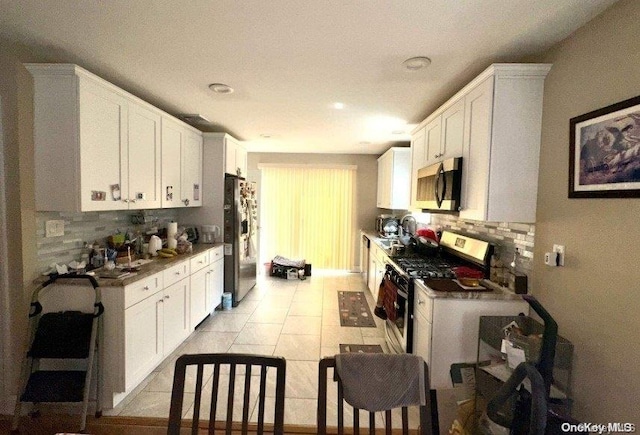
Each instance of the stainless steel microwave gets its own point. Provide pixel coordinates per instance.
(438, 187)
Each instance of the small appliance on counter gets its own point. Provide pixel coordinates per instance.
(387, 225)
(210, 233)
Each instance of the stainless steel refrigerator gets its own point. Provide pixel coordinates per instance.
(240, 236)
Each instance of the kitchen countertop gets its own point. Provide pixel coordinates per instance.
(498, 292)
(155, 266)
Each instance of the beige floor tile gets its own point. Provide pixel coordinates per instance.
(336, 335)
(298, 347)
(310, 308)
(329, 351)
(305, 325)
(373, 332)
(245, 306)
(296, 411)
(155, 404)
(273, 303)
(302, 379)
(268, 316)
(253, 349)
(222, 321)
(163, 381)
(210, 342)
(330, 318)
(259, 333)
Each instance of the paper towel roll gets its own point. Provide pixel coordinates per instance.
(172, 230)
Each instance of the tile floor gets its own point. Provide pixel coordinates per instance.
(294, 319)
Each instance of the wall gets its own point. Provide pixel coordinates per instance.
(594, 298)
(17, 224)
(83, 228)
(366, 182)
(505, 236)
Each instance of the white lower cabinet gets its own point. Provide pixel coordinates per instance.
(445, 330)
(422, 326)
(215, 280)
(147, 320)
(175, 315)
(143, 339)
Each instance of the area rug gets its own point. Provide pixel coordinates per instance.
(354, 310)
(361, 348)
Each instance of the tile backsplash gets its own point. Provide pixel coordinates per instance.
(506, 236)
(82, 228)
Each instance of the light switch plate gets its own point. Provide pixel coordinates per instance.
(54, 228)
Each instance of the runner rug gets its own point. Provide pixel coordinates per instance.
(361, 348)
(354, 310)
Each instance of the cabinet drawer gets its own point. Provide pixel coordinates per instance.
(216, 254)
(198, 262)
(424, 304)
(142, 289)
(175, 273)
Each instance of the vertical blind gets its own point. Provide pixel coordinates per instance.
(307, 213)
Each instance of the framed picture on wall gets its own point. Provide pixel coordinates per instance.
(604, 156)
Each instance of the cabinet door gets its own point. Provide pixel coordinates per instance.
(417, 160)
(198, 298)
(385, 163)
(215, 285)
(143, 339)
(175, 325)
(103, 148)
(172, 137)
(372, 275)
(230, 165)
(452, 131)
(433, 138)
(241, 160)
(191, 158)
(144, 158)
(422, 337)
(476, 151)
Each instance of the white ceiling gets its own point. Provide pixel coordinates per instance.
(290, 60)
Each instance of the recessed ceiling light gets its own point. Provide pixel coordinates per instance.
(416, 63)
(364, 142)
(338, 106)
(265, 136)
(220, 88)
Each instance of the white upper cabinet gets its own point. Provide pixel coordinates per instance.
(173, 136)
(97, 147)
(144, 158)
(394, 172)
(191, 161)
(494, 123)
(501, 152)
(235, 157)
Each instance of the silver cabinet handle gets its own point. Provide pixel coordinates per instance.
(420, 301)
(132, 200)
(125, 200)
(146, 287)
(167, 297)
(186, 201)
(177, 273)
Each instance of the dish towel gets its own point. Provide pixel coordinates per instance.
(378, 382)
(390, 297)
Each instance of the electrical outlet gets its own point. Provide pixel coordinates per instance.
(559, 249)
(54, 228)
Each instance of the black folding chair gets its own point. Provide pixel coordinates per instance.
(232, 362)
(427, 425)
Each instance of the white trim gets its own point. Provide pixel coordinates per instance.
(306, 166)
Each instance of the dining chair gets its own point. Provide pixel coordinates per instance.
(375, 396)
(228, 368)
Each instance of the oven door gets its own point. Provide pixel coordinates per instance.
(398, 326)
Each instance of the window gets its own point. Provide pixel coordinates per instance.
(307, 213)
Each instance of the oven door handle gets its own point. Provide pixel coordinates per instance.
(402, 293)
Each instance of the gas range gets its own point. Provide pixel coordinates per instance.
(425, 267)
(455, 250)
